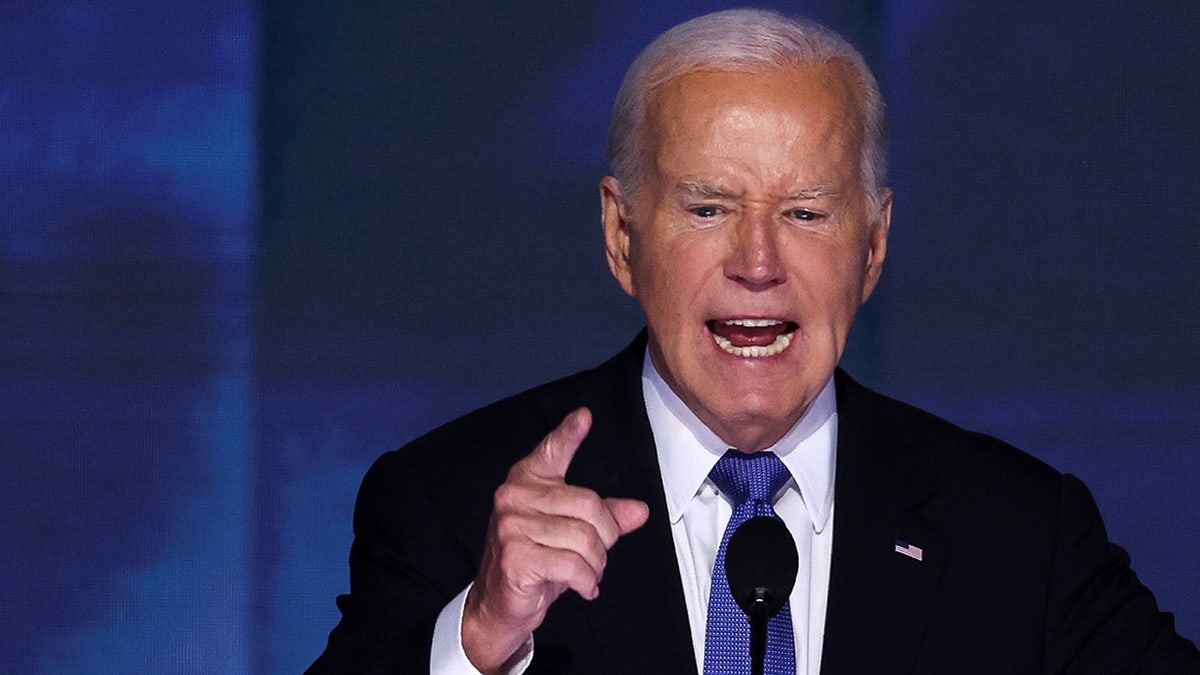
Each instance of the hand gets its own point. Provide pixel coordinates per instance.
(544, 537)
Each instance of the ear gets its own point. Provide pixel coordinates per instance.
(614, 217)
(877, 244)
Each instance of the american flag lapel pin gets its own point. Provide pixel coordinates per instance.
(906, 549)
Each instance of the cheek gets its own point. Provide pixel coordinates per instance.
(844, 269)
(666, 268)
(673, 286)
(829, 284)
(849, 274)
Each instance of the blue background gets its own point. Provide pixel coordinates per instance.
(246, 248)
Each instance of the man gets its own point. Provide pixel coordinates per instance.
(582, 526)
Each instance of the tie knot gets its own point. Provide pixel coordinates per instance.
(744, 477)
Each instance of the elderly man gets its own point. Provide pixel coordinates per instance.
(583, 526)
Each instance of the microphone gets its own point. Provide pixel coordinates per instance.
(761, 565)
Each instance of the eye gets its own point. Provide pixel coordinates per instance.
(804, 214)
(705, 211)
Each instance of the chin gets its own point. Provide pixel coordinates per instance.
(753, 422)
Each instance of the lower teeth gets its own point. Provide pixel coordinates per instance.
(755, 351)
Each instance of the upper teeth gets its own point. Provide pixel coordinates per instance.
(752, 323)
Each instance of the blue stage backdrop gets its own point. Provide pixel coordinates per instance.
(245, 248)
(127, 247)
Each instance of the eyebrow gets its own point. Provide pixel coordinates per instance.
(697, 189)
(708, 191)
(813, 193)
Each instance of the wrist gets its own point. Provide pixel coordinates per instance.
(493, 645)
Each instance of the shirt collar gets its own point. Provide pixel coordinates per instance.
(688, 450)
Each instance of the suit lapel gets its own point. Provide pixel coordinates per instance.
(880, 600)
(640, 619)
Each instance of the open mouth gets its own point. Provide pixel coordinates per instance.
(752, 338)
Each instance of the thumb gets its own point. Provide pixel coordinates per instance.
(630, 514)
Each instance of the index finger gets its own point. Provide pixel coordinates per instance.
(551, 458)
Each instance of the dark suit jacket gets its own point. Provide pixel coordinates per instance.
(1017, 573)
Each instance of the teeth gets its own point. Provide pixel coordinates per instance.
(752, 323)
(754, 352)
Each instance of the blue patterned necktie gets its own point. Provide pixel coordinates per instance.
(750, 481)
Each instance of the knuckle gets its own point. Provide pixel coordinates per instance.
(576, 535)
(589, 537)
(506, 497)
(586, 542)
(507, 527)
(583, 571)
(585, 502)
(513, 562)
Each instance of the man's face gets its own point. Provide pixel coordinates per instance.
(751, 242)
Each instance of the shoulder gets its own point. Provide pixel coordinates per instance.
(1026, 571)
(922, 451)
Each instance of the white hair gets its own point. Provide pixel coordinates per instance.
(740, 40)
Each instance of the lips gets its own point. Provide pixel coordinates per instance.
(752, 338)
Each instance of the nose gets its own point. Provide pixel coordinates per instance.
(754, 259)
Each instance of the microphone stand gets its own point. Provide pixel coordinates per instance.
(759, 615)
(761, 564)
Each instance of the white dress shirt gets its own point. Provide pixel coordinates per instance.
(687, 452)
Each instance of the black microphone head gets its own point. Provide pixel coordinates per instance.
(761, 565)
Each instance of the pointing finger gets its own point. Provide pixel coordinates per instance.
(553, 455)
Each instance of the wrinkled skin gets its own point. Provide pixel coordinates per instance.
(751, 224)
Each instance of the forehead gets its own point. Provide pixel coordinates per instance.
(805, 116)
